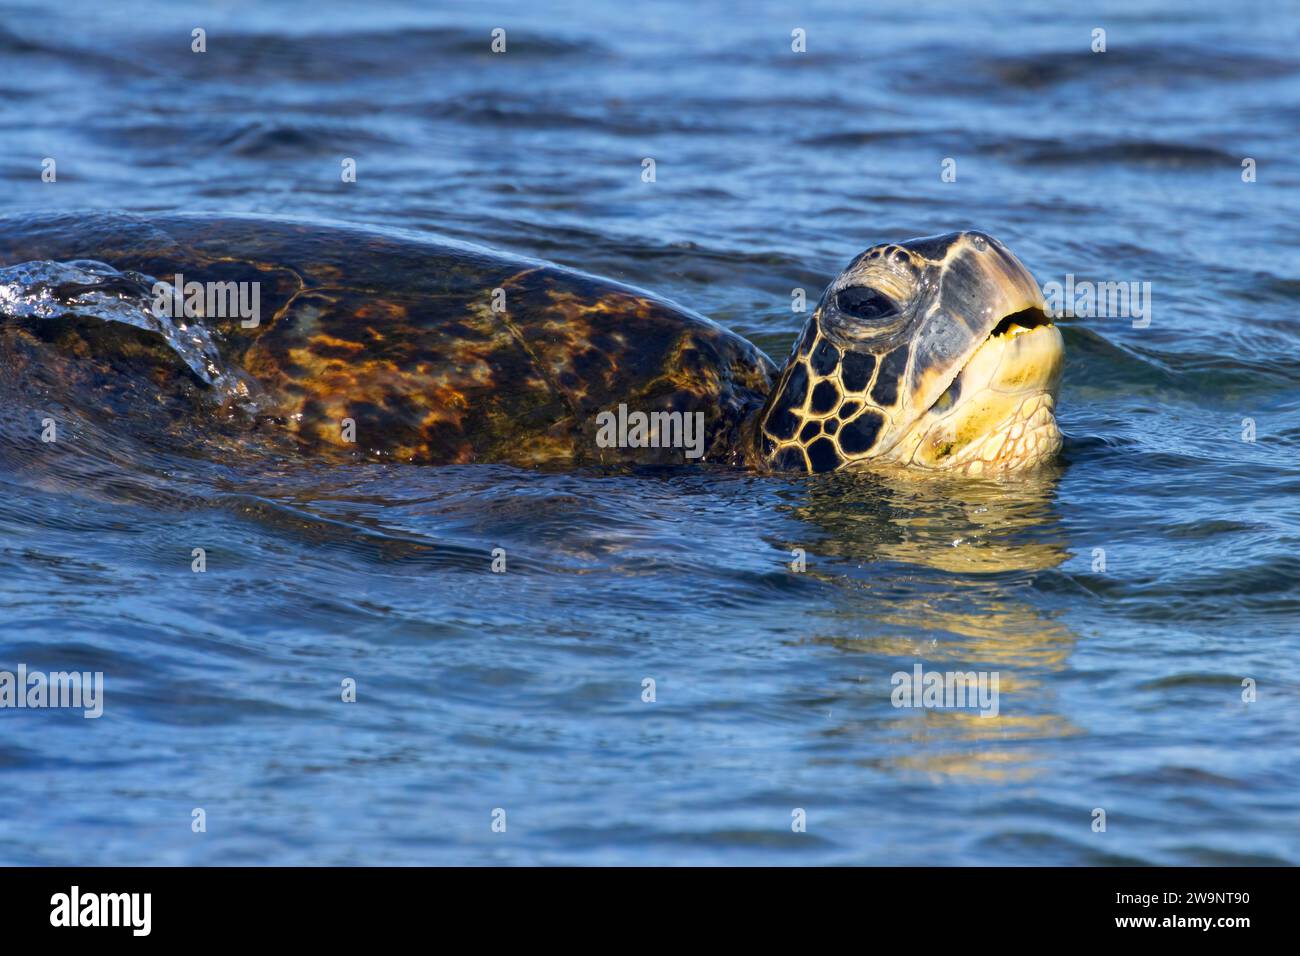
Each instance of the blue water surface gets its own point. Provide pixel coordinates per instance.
(1122, 596)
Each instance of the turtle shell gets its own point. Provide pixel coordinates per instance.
(434, 351)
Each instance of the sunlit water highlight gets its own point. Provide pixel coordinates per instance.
(1120, 688)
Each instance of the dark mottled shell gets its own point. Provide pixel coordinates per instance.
(399, 335)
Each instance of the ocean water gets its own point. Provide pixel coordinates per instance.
(1122, 596)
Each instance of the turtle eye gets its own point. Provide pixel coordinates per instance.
(863, 303)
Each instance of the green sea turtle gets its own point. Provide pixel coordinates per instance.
(932, 354)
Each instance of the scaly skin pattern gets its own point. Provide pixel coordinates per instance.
(438, 352)
(899, 365)
(929, 355)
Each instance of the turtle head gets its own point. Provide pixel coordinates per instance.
(932, 354)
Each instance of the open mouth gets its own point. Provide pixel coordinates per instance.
(1011, 326)
(1021, 322)
(998, 413)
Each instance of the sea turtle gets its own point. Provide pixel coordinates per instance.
(931, 354)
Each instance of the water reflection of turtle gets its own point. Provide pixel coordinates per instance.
(929, 354)
(938, 572)
(941, 522)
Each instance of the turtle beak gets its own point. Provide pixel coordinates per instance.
(996, 413)
(981, 285)
(919, 354)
